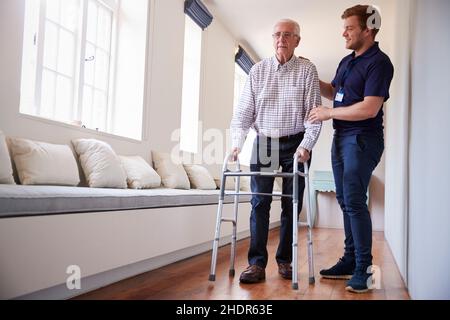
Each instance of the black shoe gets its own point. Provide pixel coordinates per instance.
(360, 282)
(343, 269)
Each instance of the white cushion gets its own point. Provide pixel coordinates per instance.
(44, 163)
(244, 184)
(140, 175)
(278, 184)
(101, 166)
(172, 175)
(229, 183)
(6, 171)
(200, 177)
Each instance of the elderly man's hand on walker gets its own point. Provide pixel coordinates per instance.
(303, 154)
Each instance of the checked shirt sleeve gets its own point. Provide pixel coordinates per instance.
(312, 99)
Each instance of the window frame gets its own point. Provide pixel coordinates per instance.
(79, 67)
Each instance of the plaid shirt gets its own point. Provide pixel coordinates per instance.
(276, 101)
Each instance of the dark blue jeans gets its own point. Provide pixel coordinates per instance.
(354, 158)
(279, 152)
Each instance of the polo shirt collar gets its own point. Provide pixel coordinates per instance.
(374, 49)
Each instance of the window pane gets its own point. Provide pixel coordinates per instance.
(66, 53)
(104, 28)
(47, 94)
(89, 64)
(87, 106)
(69, 14)
(101, 70)
(53, 10)
(191, 86)
(240, 77)
(92, 22)
(51, 46)
(64, 98)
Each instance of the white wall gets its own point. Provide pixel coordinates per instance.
(417, 174)
(397, 132)
(166, 73)
(130, 69)
(429, 156)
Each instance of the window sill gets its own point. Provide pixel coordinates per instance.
(77, 128)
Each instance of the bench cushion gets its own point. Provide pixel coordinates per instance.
(6, 171)
(20, 200)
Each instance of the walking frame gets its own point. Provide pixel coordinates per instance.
(238, 173)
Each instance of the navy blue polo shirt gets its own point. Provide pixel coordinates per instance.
(369, 74)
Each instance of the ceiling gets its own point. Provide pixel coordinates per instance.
(251, 22)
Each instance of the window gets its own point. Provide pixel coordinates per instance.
(96, 65)
(70, 53)
(191, 86)
(240, 77)
(239, 82)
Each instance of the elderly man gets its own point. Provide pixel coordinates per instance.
(277, 98)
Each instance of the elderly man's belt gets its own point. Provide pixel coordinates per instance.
(285, 138)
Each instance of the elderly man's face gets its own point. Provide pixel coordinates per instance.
(285, 40)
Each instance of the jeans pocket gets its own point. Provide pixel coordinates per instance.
(361, 142)
(371, 146)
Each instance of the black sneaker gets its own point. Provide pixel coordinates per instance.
(360, 282)
(343, 269)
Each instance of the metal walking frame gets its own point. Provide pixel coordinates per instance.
(238, 173)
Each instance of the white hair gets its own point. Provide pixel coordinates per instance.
(294, 23)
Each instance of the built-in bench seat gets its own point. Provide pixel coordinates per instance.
(20, 200)
(110, 234)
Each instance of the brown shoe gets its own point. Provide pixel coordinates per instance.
(253, 274)
(285, 270)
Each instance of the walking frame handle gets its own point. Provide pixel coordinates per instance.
(238, 165)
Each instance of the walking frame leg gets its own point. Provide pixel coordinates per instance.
(310, 222)
(234, 235)
(212, 275)
(295, 226)
(219, 220)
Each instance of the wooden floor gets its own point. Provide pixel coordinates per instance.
(188, 279)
